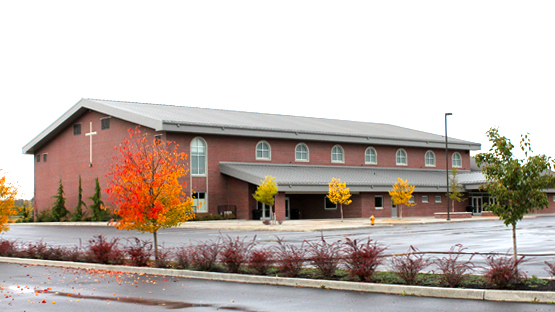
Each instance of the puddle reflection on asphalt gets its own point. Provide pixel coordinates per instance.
(170, 305)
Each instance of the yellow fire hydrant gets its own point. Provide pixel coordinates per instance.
(372, 220)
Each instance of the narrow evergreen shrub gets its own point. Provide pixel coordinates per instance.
(59, 211)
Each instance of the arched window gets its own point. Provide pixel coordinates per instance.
(430, 159)
(457, 160)
(370, 156)
(301, 152)
(263, 150)
(198, 156)
(337, 154)
(401, 157)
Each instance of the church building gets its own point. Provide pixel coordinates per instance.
(230, 152)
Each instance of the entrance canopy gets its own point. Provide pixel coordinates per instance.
(315, 179)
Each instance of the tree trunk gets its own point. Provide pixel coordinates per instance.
(272, 219)
(514, 241)
(155, 245)
(341, 208)
(400, 211)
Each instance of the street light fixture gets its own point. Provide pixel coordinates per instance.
(447, 164)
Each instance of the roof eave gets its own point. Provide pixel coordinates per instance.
(79, 109)
(306, 136)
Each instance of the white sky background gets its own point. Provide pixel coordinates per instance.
(406, 63)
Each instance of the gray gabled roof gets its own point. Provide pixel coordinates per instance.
(227, 122)
(307, 178)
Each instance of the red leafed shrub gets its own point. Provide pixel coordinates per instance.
(183, 257)
(8, 248)
(325, 257)
(103, 251)
(454, 270)
(235, 252)
(290, 258)
(362, 259)
(502, 271)
(205, 255)
(164, 258)
(409, 265)
(550, 268)
(260, 260)
(37, 250)
(138, 251)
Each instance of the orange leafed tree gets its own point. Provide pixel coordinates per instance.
(8, 192)
(145, 185)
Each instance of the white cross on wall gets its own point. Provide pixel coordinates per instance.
(90, 135)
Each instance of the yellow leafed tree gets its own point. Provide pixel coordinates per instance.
(339, 194)
(7, 199)
(401, 194)
(265, 193)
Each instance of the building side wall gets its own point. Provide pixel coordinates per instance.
(68, 158)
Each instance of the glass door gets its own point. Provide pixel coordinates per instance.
(287, 208)
(265, 211)
(477, 205)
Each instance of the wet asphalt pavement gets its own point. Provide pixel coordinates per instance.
(38, 288)
(535, 236)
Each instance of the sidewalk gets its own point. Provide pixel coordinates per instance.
(318, 225)
(299, 225)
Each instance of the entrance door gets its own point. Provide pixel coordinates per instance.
(287, 208)
(265, 211)
(477, 204)
(394, 211)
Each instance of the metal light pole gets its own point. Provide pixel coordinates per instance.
(447, 164)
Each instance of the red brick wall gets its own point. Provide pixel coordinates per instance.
(68, 157)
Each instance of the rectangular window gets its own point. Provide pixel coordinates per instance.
(438, 199)
(378, 202)
(105, 123)
(553, 198)
(77, 129)
(199, 202)
(38, 158)
(411, 199)
(158, 137)
(44, 157)
(424, 198)
(329, 205)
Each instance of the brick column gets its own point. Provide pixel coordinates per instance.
(279, 206)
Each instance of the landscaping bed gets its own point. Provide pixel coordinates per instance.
(349, 261)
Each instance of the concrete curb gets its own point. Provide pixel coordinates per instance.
(438, 292)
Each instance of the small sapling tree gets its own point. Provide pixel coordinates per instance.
(265, 193)
(401, 195)
(455, 189)
(8, 192)
(518, 185)
(146, 187)
(339, 194)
